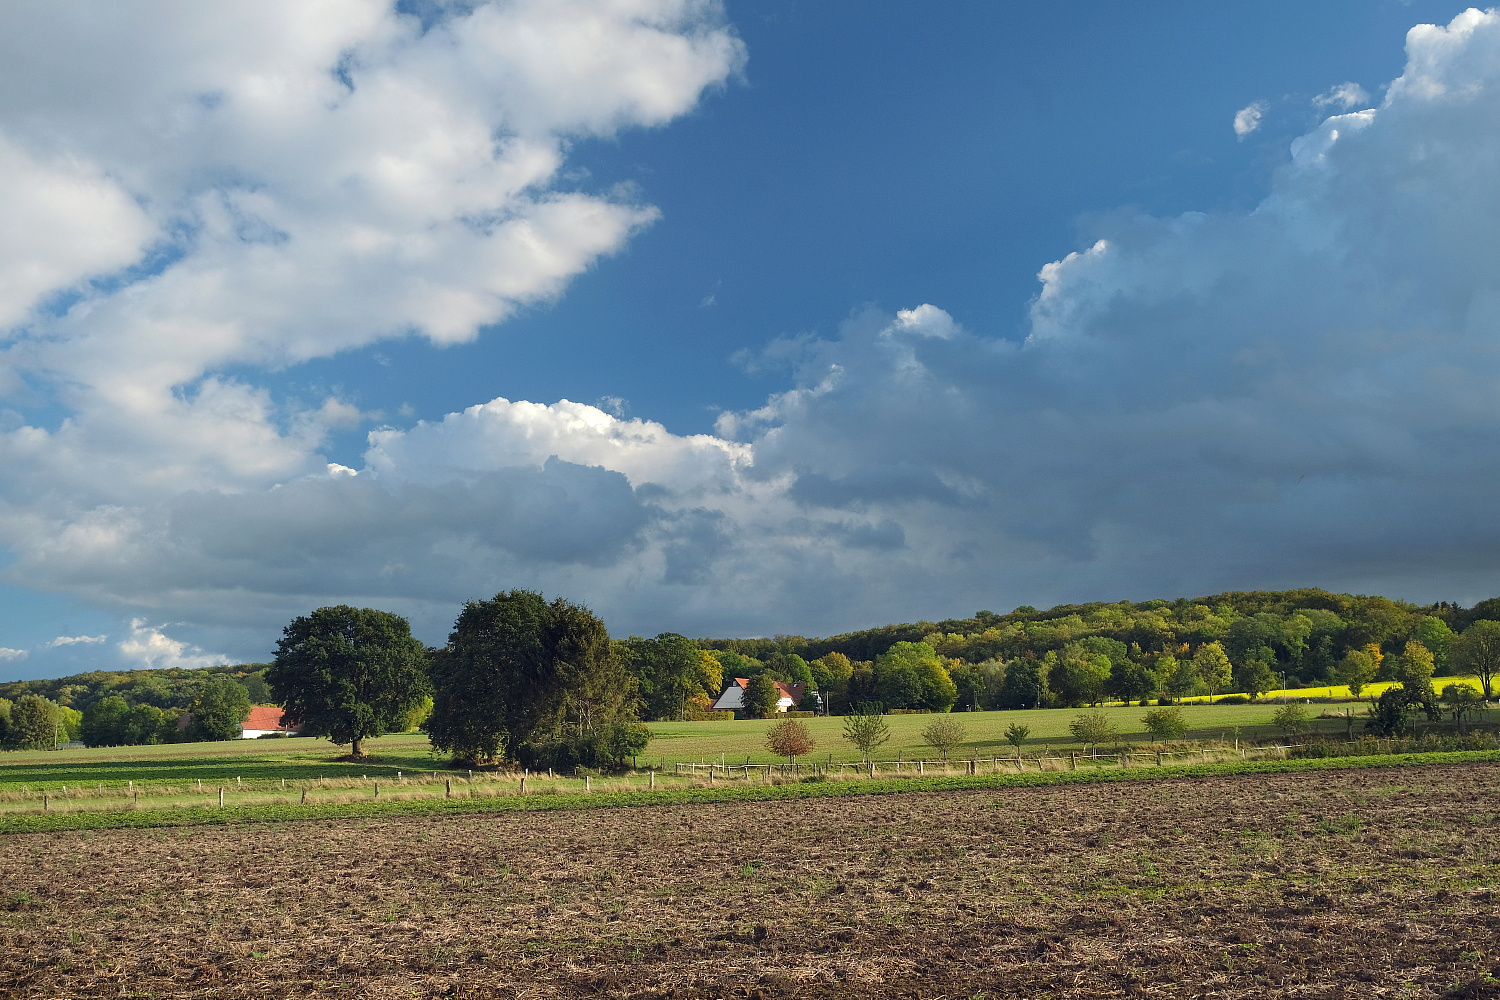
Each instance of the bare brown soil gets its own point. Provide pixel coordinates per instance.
(1376, 883)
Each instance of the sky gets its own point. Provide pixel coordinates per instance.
(734, 319)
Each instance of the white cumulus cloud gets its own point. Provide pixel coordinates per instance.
(147, 646)
(1302, 393)
(1247, 119)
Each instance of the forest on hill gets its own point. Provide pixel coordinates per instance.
(1075, 654)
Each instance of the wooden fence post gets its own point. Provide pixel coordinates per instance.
(586, 786)
(46, 802)
(221, 798)
(1072, 762)
(653, 778)
(304, 795)
(523, 784)
(447, 788)
(377, 789)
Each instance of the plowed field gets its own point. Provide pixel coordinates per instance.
(1369, 883)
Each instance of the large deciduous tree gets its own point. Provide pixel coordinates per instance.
(534, 682)
(348, 674)
(761, 697)
(34, 724)
(218, 709)
(1476, 651)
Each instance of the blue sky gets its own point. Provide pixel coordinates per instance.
(789, 255)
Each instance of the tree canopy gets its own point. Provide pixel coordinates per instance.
(534, 682)
(349, 674)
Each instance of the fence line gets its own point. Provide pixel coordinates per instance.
(128, 795)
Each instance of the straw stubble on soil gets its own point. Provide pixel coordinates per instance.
(1341, 883)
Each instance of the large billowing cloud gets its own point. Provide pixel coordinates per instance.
(1307, 393)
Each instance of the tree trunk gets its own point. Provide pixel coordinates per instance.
(354, 748)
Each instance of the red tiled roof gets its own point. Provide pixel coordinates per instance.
(266, 717)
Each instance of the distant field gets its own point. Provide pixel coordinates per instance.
(305, 760)
(1342, 691)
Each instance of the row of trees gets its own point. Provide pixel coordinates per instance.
(521, 679)
(1095, 669)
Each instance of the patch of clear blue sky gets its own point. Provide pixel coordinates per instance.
(891, 154)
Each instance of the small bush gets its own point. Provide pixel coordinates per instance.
(1233, 699)
(797, 713)
(1166, 723)
(1092, 728)
(909, 711)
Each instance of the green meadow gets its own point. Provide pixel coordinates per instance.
(409, 756)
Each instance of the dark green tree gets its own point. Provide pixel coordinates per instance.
(533, 682)
(349, 674)
(761, 696)
(1391, 713)
(1024, 685)
(148, 724)
(221, 705)
(34, 723)
(104, 723)
(1254, 677)
(1129, 681)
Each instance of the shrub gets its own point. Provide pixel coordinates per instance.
(789, 738)
(1291, 719)
(1233, 699)
(945, 734)
(866, 731)
(1166, 723)
(1015, 734)
(1091, 728)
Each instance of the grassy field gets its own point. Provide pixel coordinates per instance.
(267, 763)
(1323, 882)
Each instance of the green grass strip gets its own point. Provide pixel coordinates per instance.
(206, 816)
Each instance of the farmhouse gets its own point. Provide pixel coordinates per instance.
(263, 720)
(733, 698)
